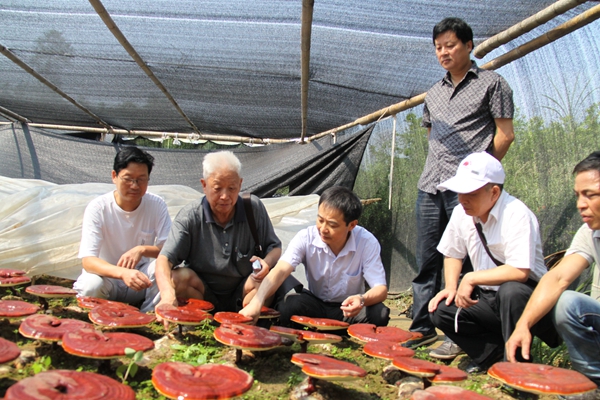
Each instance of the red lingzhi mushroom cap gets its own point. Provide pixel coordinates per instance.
(94, 344)
(50, 291)
(117, 316)
(185, 315)
(8, 351)
(16, 308)
(178, 380)
(196, 304)
(320, 337)
(416, 367)
(370, 333)
(49, 327)
(9, 272)
(327, 368)
(446, 392)
(91, 302)
(541, 379)
(247, 337)
(14, 281)
(65, 385)
(290, 333)
(320, 323)
(227, 317)
(449, 374)
(387, 350)
(266, 312)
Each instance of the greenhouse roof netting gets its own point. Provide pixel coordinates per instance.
(232, 67)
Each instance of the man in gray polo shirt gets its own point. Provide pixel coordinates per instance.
(211, 241)
(468, 111)
(575, 315)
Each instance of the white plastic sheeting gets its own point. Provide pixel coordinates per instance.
(40, 222)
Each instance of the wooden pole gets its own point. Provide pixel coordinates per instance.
(560, 7)
(114, 29)
(571, 25)
(393, 153)
(307, 17)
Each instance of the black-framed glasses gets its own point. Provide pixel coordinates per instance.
(139, 181)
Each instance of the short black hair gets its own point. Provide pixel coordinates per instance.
(461, 29)
(343, 199)
(132, 154)
(590, 163)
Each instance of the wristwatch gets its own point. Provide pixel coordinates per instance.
(362, 300)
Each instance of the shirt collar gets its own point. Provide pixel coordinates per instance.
(474, 70)
(596, 234)
(495, 211)
(350, 245)
(239, 216)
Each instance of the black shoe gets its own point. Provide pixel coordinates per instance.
(474, 368)
(421, 341)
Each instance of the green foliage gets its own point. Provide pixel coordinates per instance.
(41, 364)
(294, 379)
(125, 370)
(195, 354)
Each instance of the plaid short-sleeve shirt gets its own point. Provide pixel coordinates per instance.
(461, 119)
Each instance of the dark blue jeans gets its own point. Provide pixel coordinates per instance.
(433, 213)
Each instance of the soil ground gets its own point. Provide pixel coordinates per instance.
(275, 376)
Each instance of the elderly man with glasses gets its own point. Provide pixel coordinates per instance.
(122, 231)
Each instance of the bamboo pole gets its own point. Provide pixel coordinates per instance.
(164, 135)
(114, 29)
(11, 56)
(13, 115)
(307, 17)
(560, 7)
(571, 25)
(393, 153)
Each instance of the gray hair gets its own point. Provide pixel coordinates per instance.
(220, 159)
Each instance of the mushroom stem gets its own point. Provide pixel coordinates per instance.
(43, 303)
(238, 355)
(303, 347)
(180, 329)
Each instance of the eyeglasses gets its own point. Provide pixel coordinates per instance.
(139, 181)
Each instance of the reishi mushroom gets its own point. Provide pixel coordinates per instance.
(69, 385)
(449, 374)
(416, 367)
(327, 368)
(118, 316)
(16, 308)
(228, 317)
(268, 313)
(178, 380)
(446, 392)
(13, 277)
(90, 343)
(305, 337)
(89, 302)
(370, 333)
(8, 351)
(321, 324)
(50, 328)
(246, 337)
(190, 313)
(49, 292)
(387, 350)
(541, 379)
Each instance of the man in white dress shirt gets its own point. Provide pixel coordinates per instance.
(339, 256)
(479, 313)
(122, 231)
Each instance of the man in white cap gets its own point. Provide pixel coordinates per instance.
(501, 236)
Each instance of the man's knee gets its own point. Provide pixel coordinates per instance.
(183, 278)
(92, 285)
(378, 314)
(565, 309)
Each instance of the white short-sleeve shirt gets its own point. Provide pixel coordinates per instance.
(333, 278)
(108, 231)
(512, 233)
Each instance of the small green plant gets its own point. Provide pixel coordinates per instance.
(41, 364)
(196, 354)
(130, 369)
(294, 379)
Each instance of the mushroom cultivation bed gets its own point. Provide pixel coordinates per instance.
(274, 375)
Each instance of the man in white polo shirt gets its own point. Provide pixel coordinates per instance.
(339, 256)
(501, 236)
(122, 231)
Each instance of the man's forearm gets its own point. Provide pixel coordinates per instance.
(273, 257)
(375, 295)
(452, 269)
(98, 266)
(503, 138)
(164, 278)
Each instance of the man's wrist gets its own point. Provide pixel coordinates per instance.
(362, 300)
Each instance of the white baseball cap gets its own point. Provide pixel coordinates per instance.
(475, 171)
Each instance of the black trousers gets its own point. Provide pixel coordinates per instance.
(485, 327)
(307, 304)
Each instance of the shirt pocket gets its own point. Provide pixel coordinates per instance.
(146, 238)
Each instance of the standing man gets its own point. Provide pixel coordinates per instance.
(121, 231)
(211, 244)
(469, 110)
(339, 256)
(501, 236)
(576, 316)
